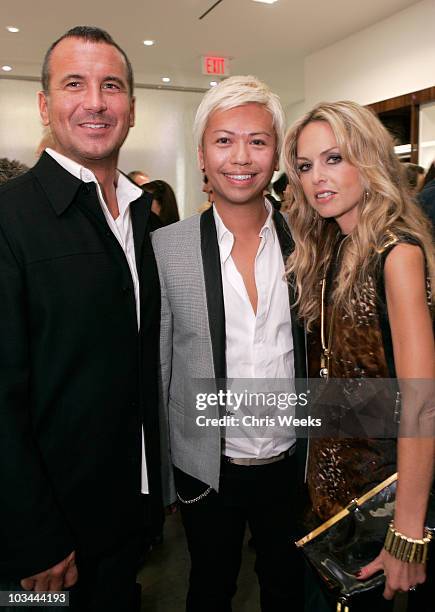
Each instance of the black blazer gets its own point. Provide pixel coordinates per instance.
(76, 378)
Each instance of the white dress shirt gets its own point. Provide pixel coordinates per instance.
(126, 192)
(258, 345)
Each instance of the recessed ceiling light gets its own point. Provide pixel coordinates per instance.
(166, 79)
(12, 29)
(266, 1)
(213, 83)
(7, 68)
(149, 43)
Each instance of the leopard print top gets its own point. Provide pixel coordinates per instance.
(342, 469)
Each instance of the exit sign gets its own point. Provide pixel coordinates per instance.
(216, 66)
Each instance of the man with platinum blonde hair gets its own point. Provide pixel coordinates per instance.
(237, 91)
(225, 317)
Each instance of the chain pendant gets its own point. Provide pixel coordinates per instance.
(324, 365)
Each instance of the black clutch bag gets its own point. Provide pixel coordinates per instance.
(338, 548)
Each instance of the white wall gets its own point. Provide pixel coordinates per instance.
(161, 143)
(20, 127)
(391, 58)
(294, 111)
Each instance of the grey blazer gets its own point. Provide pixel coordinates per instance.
(193, 336)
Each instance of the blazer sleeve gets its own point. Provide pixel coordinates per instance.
(33, 534)
(165, 369)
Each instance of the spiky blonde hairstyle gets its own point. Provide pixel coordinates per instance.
(238, 91)
(387, 205)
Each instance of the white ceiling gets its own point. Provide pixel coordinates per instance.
(269, 41)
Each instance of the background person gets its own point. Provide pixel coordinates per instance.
(164, 203)
(426, 197)
(430, 175)
(359, 235)
(415, 177)
(10, 169)
(280, 185)
(139, 177)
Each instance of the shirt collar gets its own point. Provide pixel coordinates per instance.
(126, 191)
(268, 227)
(226, 238)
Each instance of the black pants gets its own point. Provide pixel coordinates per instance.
(106, 583)
(262, 497)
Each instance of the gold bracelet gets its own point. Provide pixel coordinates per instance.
(406, 549)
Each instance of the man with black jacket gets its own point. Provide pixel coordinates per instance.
(79, 312)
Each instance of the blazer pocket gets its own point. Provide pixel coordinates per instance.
(176, 405)
(65, 255)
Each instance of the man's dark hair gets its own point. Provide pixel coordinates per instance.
(89, 34)
(280, 185)
(412, 172)
(165, 196)
(9, 169)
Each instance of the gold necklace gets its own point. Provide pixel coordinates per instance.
(326, 353)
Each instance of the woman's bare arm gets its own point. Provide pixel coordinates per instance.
(414, 357)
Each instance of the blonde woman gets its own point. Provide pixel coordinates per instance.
(364, 256)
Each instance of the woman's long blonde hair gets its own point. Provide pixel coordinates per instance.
(386, 205)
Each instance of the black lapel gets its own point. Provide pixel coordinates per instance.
(284, 235)
(62, 188)
(286, 242)
(89, 203)
(214, 292)
(298, 332)
(140, 212)
(59, 185)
